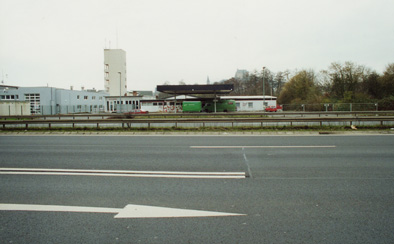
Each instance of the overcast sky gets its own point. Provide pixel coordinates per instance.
(60, 43)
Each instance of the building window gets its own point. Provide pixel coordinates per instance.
(250, 105)
(78, 97)
(106, 66)
(93, 97)
(35, 102)
(85, 97)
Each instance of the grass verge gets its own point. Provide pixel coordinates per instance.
(202, 129)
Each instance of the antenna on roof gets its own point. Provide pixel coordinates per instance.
(117, 46)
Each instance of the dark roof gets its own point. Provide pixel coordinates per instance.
(197, 90)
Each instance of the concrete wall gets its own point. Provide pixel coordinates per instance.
(10, 108)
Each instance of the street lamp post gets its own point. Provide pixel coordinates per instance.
(120, 92)
(263, 90)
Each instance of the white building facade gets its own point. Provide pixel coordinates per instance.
(115, 73)
(252, 103)
(51, 101)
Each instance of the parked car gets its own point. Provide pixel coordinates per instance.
(278, 108)
(138, 111)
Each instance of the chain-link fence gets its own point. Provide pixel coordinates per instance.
(93, 109)
(331, 107)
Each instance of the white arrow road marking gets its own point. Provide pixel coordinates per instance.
(223, 147)
(130, 211)
(124, 173)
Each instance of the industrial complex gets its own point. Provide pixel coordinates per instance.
(115, 98)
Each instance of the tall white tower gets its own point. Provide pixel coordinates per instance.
(115, 76)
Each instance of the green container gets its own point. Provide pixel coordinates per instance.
(191, 106)
(221, 106)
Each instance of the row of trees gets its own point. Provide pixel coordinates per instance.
(340, 83)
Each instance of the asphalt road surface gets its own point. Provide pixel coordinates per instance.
(247, 189)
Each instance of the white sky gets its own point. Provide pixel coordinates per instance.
(60, 43)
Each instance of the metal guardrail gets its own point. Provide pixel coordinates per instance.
(181, 115)
(203, 121)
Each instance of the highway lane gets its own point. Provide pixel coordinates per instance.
(302, 194)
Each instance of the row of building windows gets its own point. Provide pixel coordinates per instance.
(87, 97)
(127, 102)
(31, 97)
(9, 97)
(160, 103)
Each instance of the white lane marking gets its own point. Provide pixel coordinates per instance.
(56, 208)
(130, 211)
(223, 147)
(123, 173)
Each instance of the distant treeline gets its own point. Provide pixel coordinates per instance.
(340, 83)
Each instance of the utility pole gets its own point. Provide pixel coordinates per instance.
(263, 90)
(120, 91)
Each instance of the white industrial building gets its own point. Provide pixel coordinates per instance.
(50, 100)
(252, 103)
(115, 73)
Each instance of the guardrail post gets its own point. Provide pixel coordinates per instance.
(49, 125)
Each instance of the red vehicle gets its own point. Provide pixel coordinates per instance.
(132, 113)
(137, 111)
(278, 108)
